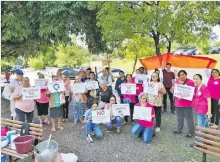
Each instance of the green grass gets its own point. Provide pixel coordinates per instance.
(127, 65)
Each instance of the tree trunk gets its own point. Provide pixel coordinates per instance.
(135, 63)
(169, 46)
(156, 37)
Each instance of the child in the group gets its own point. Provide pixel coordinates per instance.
(114, 119)
(91, 127)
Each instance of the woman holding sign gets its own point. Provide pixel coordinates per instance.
(56, 110)
(183, 106)
(214, 89)
(114, 119)
(67, 87)
(23, 108)
(157, 100)
(129, 98)
(144, 125)
(201, 101)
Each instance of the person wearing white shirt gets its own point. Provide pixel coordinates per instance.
(13, 85)
(106, 77)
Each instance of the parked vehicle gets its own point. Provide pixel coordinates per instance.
(70, 72)
(180, 51)
(114, 71)
(215, 50)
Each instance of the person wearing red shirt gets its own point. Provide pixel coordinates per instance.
(7, 76)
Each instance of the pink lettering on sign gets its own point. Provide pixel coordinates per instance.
(100, 113)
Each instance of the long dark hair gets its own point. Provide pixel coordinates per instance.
(182, 71)
(216, 71)
(127, 76)
(114, 98)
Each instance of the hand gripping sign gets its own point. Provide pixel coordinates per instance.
(100, 116)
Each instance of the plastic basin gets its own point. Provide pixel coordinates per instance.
(24, 144)
(49, 156)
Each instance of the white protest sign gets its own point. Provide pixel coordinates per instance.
(141, 77)
(57, 86)
(78, 87)
(6, 92)
(31, 93)
(142, 113)
(128, 89)
(42, 83)
(101, 116)
(184, 92)
(91, 85)
(151, 88)
(121, 109)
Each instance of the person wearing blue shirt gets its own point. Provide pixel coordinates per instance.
(118, 83)
(90, 127)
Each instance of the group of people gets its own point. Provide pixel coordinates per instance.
(205, 102)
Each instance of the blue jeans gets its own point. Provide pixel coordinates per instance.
(202, 120)
(78, 111)
(147, 132)
(117, 121)
(91, 126)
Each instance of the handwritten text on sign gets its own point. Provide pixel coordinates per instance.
(151, 88)
(78, 88)
(42, 83)
(31, 93)
(91, 85)
(121, 109)
(128, 89)
(184, 92)
(101, 116)
(141, 77)
(57, 86)
(142, 113)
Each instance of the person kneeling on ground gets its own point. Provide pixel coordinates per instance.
(114, 119)
(143, 125)
(90, 127)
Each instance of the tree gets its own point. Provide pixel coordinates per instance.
(162, 21)
(29, 28)
(137, 47)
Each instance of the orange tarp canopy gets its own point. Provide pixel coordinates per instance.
(181, 61)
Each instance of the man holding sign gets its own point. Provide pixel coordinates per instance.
(24, 108)
(183, 103)
(144, 113)
(90, 126)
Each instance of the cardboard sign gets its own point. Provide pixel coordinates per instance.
(151, 88)
(6, 92)
(184, 92)
(101, 116)
(141, 77)
(121, 109)
(57, 86)
(142, 113)
(31, 93)
(42, 83)
(78, 87)
(91, 85)
(128, 89)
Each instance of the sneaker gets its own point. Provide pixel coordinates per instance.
(89, 138)
(158, 129)
(118, 131)
(214, 126)
(124, 123)
(176, 132)
(92, 133)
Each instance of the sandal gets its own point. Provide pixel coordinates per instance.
(47, 121)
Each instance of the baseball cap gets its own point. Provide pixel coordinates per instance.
(19, 72)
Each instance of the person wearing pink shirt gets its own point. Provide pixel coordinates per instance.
(43, 104)
(23, 108)
(67, 92)
(201, 101)
(214, 90)
(184, 107)
(129, 98)
(143, 125)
